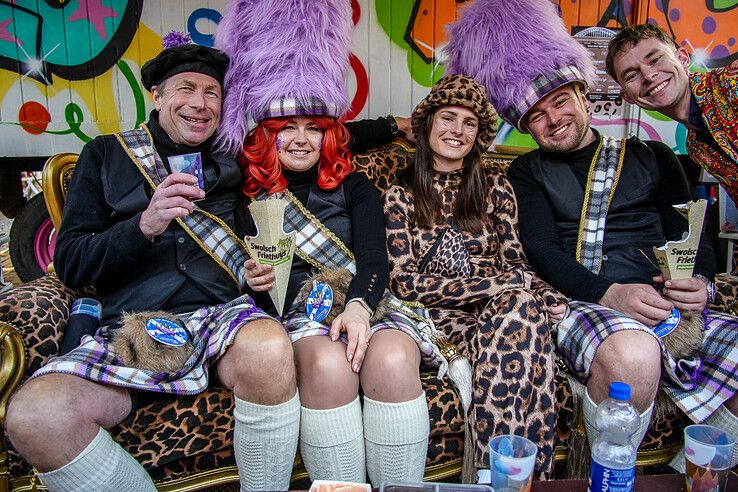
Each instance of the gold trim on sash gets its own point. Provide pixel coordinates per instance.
(179, 220)
(587, 194)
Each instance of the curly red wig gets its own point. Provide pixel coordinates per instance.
(260, 163)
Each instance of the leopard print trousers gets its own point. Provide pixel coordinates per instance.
(509, 345)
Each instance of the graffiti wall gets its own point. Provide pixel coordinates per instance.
(69, 69)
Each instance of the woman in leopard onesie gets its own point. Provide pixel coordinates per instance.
(453, 245)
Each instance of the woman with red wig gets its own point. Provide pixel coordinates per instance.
(288, 61)
(306, 157)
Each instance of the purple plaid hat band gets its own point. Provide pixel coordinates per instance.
(290, 106)
(538, 89)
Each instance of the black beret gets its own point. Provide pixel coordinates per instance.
(185, 58)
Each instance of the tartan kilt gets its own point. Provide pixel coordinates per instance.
(698, 387)
(298, 326)
(213, 330)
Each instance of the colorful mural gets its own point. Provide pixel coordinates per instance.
(69, 69)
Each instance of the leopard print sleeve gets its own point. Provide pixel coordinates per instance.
(404, 241)
(505, 218)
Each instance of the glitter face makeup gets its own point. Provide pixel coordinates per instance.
(299, 144)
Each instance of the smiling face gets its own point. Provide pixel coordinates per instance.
(452, 136)
(653, 75)
(299, 144)
(559, 121)
(189, 107)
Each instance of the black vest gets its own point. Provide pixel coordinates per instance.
(633, 221)
(331, 209)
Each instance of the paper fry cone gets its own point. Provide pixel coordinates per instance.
(676, 258)
(272, 246)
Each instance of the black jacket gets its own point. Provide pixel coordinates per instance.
(550, 192)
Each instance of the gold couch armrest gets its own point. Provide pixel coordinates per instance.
(12, 368)
(56, 175)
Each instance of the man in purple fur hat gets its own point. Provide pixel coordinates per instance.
(591, 208)
(161, 243)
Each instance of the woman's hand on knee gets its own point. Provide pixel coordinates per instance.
(354, 320)
(556, 312)
(259, 277)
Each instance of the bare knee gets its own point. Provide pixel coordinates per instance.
(629, 352)
(37, 407)
(61, 409)
(630, 356)
(325, 376)
(259, 365)
(263, 349)
(390, 372)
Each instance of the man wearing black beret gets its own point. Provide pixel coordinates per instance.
(149, 238)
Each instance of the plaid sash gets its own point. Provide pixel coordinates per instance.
(604, 173)
(207, 230)
(322, 249)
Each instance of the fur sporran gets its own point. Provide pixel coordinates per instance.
(686, 340)
(137, 349)
(339, 280)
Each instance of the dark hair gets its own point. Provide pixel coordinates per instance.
(632, 35)
(471, 203)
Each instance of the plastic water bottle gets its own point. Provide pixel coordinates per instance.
(613, 454)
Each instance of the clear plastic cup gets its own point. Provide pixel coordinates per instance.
(511, 462)
(708, 452)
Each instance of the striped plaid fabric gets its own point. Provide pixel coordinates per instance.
(603, 178)
(542, 85)
(698, 387)
(323, 250)
(290, 106)
(213, 330)
(211, 233)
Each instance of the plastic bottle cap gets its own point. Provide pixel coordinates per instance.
(619, 391)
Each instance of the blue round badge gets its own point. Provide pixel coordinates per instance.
(319, 301)
(669, 324)
(167, 332)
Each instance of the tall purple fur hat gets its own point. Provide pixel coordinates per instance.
(519, 50)
(288, 57)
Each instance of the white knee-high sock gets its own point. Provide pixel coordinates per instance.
(265, 443)
(103, 466)
(590, 413)
(589, 407)
(396, 437)
(332, 444)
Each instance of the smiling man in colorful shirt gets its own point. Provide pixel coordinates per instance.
(653, 73)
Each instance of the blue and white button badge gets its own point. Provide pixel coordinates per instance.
(167, 332)
(319, 301)
(669, 324)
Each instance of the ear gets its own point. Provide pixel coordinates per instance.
(156, 95)
(683, 57)
(626, 97)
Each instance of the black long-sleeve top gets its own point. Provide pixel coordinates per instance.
(542, 236)
(360, 225)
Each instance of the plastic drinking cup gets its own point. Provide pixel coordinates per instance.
(512, 459)
(708, 451)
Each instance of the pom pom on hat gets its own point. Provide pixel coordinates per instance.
(172, 39)
(519, 50)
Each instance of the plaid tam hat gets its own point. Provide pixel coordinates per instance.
(460, 90)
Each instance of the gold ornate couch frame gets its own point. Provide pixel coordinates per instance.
(444, 459)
